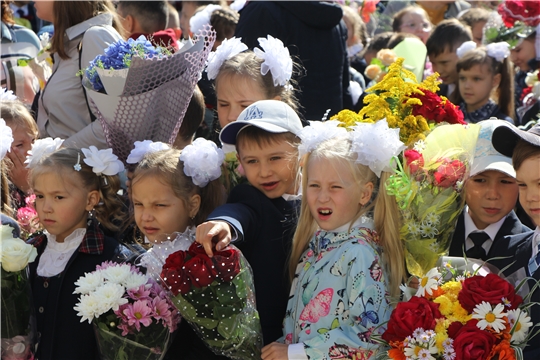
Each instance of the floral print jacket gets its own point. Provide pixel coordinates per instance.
(338, 297)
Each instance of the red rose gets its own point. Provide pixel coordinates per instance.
(176, 280)
(414, 159)
(448, 173)
(175, 261)
(409, 316)
(524, 93)
(201, 270)
(227, 263)
(196, 249)
(491, 289)
(471, 343)
(452, 114)
(431, 105)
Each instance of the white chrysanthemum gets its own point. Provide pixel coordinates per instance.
(88, 307)
(102, 162)
(144, 147)
(428, 283)
(202, 161)
(42, 148)
(227, 49)
(276, 58)
(522, 323)
(110, 296)
(134, 280)
(88, 283)
(488, 316)
(117, 273)
(375, 145)
(499, 50)
(317, 132)
(465, 48)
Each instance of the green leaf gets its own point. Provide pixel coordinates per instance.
(207, 323)
(185, 308)
(226, 327)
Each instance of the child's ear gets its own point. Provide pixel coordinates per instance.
(365, 195)
(92, 199)
(194, 205)
(496, 81)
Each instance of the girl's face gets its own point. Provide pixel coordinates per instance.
(415, 23)
(22, 141)
(528, 179)
(522, 54)
(476, 84)
(477, 32)
(44, 10)
(333, 196)
(61, 206)
(234, 94)
(158, 211)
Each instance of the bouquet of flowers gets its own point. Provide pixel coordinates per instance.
(141, 92)
(427, 188)
(378, 67)
(215, 295)
(412, 107)
(18, 334)
(27, 217)
(132, 316)
(42, 64)
(458, 315)
(234, 173)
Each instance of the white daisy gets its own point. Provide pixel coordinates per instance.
(520, 323)
(411, 351)
(488, 316)
(425, 354)
(449, 353)
(428, 283)
(417, 333)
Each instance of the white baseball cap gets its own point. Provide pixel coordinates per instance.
(485, 156)
(270, 115)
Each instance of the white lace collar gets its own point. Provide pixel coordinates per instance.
(56, 255)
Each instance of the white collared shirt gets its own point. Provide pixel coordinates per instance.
(470, 227)
(56, 255)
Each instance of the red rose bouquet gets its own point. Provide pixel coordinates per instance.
(215, 295)
(428, 188)
(458, 315)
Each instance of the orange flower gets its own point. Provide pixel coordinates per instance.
(436, 293)
(502, 351)
(397, 354)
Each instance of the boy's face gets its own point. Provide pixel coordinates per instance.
(490, 195)
(445, 64)
(528, 180)
(271, 168)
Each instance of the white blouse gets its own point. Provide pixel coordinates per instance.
(56, 255)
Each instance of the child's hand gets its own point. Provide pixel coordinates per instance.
(212, 233)
(275, 351)
(18, 173)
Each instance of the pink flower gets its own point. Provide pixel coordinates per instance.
(240, 170)
(30, 200)
(25, 215)
(140, 293)
(160, 308)
(138, 313)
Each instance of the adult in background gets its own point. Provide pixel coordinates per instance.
(314, 33)
(82, 30)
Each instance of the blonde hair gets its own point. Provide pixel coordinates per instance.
(384, 207)
(15, 113)
(166, 165)
(109, 211)
(248, 66)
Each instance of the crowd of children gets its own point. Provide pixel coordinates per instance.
(311, 214)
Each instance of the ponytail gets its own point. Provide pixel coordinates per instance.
(505, 91)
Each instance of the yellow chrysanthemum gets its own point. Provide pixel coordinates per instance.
(440, 332)
(452, 289)
(445, 305)
(460, 314)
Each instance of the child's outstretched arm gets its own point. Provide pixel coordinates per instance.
(213, 233)
(275, 351)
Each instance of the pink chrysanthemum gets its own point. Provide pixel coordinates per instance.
(138, 313)
(140, 293)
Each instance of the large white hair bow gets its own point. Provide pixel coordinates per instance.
(6, 138)
(276, 58)
(202, 161)
(102, 162)
(40, 149)
(227, 49)
(142, 148)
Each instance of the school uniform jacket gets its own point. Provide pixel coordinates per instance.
(61, 335)
(520, 246)
(510, 226)
(265, 237)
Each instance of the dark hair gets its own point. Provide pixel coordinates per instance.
(505, 90)
(152, 16)
(448, 35)
(473, 16)
(522, 152)
(397, 38)
(70, 13)
(398, 17)
(192, 119)
(109, 211)
(379, 42)
(256, 135)
(224, 21)
(167, 166)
